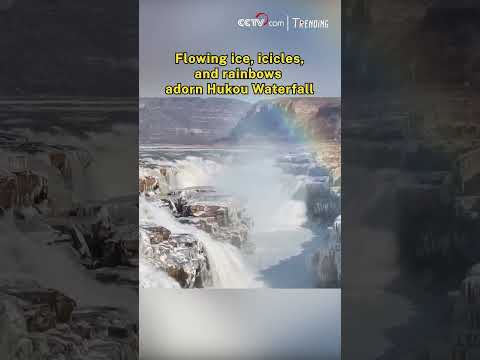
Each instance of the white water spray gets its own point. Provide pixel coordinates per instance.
(196, 171)
(54, 266)
(150, 277)
(267, 193)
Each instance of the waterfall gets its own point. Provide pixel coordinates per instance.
(270, 197)
(227, 266)
(55, 266)
(77, 164)
(280, 241)
(196, 171)
(149, 277)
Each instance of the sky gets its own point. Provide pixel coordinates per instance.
(212, 25)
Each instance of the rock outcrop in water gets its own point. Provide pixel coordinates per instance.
(202, 206)
(181, 256)
(327, 261)
(147, 183)
(160, 179)
(99, 235)
(463, 310)
(40, 190)
(29, 169)
(323, 200)
(319, 191)
(39, 323)
(45, 180)
(214, 213)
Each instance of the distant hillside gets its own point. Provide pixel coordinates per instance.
(188, 120)
(291, 119)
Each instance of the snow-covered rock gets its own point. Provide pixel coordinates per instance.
(215, 213)
(326, 262)
(181, 256)
(39, 324)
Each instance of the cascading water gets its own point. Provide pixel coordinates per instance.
(54, 266)
(269, 196)
(196, 171)
(150, 277)
(228, 269)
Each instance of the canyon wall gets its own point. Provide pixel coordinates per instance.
(188, 120)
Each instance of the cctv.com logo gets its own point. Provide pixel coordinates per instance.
(261, 20)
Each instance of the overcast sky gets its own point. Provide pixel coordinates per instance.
(201, 26)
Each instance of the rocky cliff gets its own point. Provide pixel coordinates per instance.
(313, 121)
(196, 120)
(34, 174)
(44, 216)
(188, 120)
(39, 323)
(292, 119)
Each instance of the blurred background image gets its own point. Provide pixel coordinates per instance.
(68, 212)
(240, 324)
